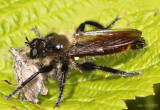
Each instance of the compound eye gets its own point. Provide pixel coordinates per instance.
(33, 53)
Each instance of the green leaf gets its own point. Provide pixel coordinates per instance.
(89, 90)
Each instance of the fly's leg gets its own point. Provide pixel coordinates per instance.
(39, 35)
(64, 70)
(81, 27)
(113, 22)
(20, 95)
(92, 23)
(21, 98)
(92, 66)
(42, 70)
(37, 32)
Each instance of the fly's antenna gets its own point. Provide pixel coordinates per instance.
(27, 41)
(37, 32)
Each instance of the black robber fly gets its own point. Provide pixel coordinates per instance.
(55, 53)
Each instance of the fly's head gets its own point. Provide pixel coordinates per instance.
(37, 47)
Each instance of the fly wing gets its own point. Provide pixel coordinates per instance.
(103, 42)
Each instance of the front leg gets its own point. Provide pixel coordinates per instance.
(92, 66)
(42, 70)
(64, 70)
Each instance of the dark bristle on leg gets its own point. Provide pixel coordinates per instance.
(92, 66)
(64, 70)
(42, 70)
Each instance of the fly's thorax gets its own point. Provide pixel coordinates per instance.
(57, 44)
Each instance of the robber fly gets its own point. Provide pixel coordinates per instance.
(55, 53)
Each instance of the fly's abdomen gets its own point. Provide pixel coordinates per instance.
(138, 44)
